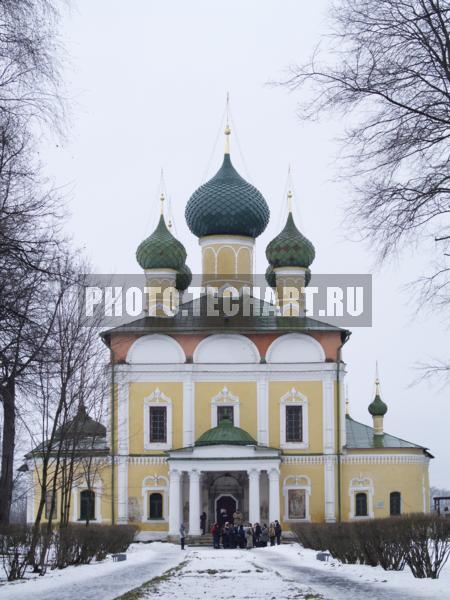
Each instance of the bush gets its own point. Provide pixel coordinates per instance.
(80, 544)
(420, 541)
(15, 542)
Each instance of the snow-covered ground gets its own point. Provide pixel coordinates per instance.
(282, 573)
(356, 582)
(98, 581)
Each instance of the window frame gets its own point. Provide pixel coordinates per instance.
(157, 399)
(361, 485)
(161, 506)
(155, 484)
(300, 482)
(225, 398)
(49, 495)
(294, 398)
(360, 496)
(222, 406)
(299, 409)
(398, 498)
(92, 504)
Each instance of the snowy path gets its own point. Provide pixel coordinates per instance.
(223, 575)
(102, 581)
(348, 582)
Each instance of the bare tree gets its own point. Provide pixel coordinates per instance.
(388, 67)
(29, 237)
(66, 403)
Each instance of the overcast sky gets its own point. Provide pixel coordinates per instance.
(147, 82)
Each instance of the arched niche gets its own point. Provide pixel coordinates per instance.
(226, 349)
(295, 348)
(155, 349)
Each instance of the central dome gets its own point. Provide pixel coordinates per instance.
(227, 205)
(225, 433)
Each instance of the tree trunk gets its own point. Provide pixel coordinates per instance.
(8, 396)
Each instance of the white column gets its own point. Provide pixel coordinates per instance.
(330, 485)
(122, 450)
(194, 503)
(328, 415)
(174, 502)
(188, 414)
(253, 492)
(122, 489)
(30, 492)
(263, 412)
(274, 495)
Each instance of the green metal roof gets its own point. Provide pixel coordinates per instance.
(161, 250)
(193, 318)
(227, 205)
(225, 433)
(290, 248)
(360, 436)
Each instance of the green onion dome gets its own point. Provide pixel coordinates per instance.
(377, 408)
(290, 248)
(161, 250)
(183, 278)
(225, 433)
(271, 278)
(227, 205)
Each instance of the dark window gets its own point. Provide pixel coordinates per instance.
(396, 503)
(155, 506)
(48, 505)
(361, 504)
(294, 432)
(225, 412)
(158, 422)
(87, 505)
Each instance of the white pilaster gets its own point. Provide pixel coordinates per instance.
(122, 489)
(188, 414)
(253, 492)
(122, 450)
(274, 495)
(328, 415)
(30, 493)
(194, 503)
(174, 502)
(330, 488)
(263, 412)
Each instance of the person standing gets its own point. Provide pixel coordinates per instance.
(278, 532)
(215, 530)
(182, 535)
(256, 534)
(203, 522)
(272, 534)
(242, 540)
(264, 537)
(249, 536)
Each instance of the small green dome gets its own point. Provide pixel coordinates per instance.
(377, 408)
(161, 250)
(225, 433)
(290, 248)
(183, 278)
(227, 205)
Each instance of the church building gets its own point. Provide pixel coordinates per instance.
(219, 414)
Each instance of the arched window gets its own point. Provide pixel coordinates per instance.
(155, 506)
(395, 503)
(87, 505)
(361, 504)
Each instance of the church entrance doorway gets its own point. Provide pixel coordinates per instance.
(226, 505)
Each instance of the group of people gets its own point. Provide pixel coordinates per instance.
(238, 535)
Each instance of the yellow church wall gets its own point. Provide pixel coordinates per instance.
(246, 392)
(137, 393)
(137, 504)
(408, 479)
(315, 474)
(313, 391)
